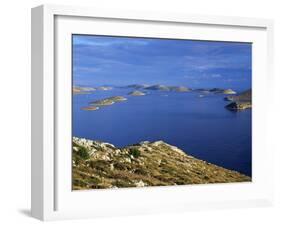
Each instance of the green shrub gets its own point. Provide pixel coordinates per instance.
(83, 153)
(135, 152)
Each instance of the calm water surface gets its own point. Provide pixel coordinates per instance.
(200, 126)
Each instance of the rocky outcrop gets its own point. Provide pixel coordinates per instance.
(99, 165)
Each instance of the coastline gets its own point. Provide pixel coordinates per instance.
(98, 165)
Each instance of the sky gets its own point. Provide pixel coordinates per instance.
(118, 61)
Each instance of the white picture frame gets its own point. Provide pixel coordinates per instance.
(52, 198)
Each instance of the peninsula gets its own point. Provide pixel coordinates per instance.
(98, 165)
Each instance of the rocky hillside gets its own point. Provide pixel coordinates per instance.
(99, 165)
(241, 101)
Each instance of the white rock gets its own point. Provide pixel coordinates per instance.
(156, 143)
(75, 148)
(105, 157)
(117, 151)
(140, 183)
(128, 160)
(144, 142)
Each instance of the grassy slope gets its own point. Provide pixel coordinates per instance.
(101, 165)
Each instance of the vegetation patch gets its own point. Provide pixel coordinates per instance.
(83, 153)
(134, 152)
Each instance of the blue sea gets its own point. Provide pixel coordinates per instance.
(201, 126)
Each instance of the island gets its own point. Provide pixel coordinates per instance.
(104, 88)
(201, 90)
(108, 101)
(98, 165)
(137, 86)
(158, 87)
(223, 91)
(82, 90)
(241, 101)
(179, 88)
(229, 91)
(168, 88)
(95, 105)
(216, 91)
(90, 108)
(136, 93)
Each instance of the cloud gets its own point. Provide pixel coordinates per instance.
(86, 69)
(100, 41)
(216, 75)
(142, 59)
(235, 79)
(203, 76)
